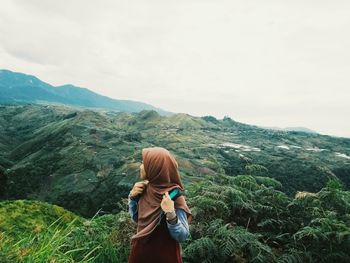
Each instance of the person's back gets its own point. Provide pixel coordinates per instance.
(161, 222)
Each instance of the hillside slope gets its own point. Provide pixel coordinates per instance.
(32, 231)
(85, 160)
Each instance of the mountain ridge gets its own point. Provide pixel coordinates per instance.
(300, 129)
(14, 88)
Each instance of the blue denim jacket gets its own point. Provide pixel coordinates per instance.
(178, 230)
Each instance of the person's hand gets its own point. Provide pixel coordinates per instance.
(167, 204)
(138, 188)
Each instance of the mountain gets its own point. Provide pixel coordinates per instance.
(21, 88)
(85, 160)
(301, 129)
(298, 129)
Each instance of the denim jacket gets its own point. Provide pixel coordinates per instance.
(179, 230)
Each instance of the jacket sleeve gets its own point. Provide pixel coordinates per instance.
(133, 204)
(180, 229)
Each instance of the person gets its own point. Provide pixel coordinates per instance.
(162, 223)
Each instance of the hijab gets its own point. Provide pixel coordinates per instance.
(162, 173)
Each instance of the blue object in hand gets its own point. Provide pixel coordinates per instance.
(175, 193)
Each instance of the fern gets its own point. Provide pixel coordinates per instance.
(201, 250)
(293, 256)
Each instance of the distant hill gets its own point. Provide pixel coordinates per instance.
(299, 129)
(21, 88)
(84, 160)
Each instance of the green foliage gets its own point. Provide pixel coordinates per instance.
(109, 234)
(241, 199)
(49, 246)
(22, 217)
(202, 249)
(236, 219)
(256, 169)
(68, 238)
(258, 223)
(294, 256)
(84, 160)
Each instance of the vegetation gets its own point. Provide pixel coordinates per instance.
(249, 220)
(85, 160)
(241, 181)
(69, 238)
(236, 219)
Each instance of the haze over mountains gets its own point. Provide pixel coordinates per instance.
(18, 88)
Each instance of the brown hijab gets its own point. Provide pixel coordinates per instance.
(163, 176)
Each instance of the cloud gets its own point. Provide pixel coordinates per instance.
(277, 63)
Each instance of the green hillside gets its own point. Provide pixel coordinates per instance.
(23, 217)
(240, 185)
(32, 231)
(85, 160)
(236, 219)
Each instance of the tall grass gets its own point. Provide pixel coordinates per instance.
(48, 246)
(95, 240)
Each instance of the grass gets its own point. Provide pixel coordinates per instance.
(68, 238)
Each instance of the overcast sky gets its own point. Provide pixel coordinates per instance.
(272, 63)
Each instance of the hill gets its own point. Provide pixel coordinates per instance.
(298, 129)
(21, 88)
(85, 160)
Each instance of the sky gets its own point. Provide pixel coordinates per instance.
(279, 63)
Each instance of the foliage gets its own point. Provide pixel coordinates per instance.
(67, 239)
(246, 219)
(85, 160)
(241, 197)
(236, 219)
